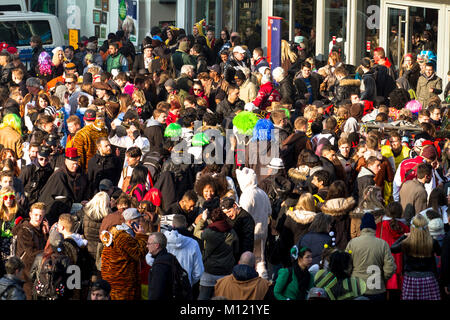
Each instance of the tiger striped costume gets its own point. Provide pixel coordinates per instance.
(121, 264)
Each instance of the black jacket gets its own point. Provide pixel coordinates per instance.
(345, 88)
(34, 65)
(103, 167)
(370, 86)
(302, 89)
(385, 83)
(155, 135)
(72, 187)
(315, 241)
(244, 225)
(34, 178)
(287, 91)
(365, 179)
(225, 108)
(160, 278)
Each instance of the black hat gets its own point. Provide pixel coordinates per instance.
(368, 221)
(103, 285)
(120, 34)
(215, 68)
(52, 140)
(227, 203)
(44, 151)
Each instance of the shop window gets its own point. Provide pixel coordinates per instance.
(249, 23)
(335, 26)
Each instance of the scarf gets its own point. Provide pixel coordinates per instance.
(220, 226)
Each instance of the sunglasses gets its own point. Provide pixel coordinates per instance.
(43, 159)
(70, 82)
(197, 89)
(11, 196)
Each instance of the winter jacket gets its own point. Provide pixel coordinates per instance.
(368, 87)
(292, 146)
(187, 252)
(85, 142)
(244, 226)
(339, 209)
(302, 89)
(30, 241)
(254, 201)
(11, 288)
(126, 142)
(11, 139)
(248, 91)
(287, 90)
(413, 194)
(388, 234)
(267, 94)
(34, 178)
(368, 251)
(225, 108)
(160, 277)
(384, 82)
(155, 135)
(344, 88)
(243, 284)
(180, 58)
(424, 84)
(103, 167)
(296, 226)
(412, 75)
(91, 229)
(315, 241)
(220, 249)
(120, 264)
(297, 288)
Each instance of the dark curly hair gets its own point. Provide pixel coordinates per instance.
(398, 98)
(217, 215)
(217, 182)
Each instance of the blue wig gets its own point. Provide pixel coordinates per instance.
(263, 130)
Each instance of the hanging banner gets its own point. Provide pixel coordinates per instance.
(274, 42)
(128, 19)
(74, 38)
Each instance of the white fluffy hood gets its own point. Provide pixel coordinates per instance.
(246, 178)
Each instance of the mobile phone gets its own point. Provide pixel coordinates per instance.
(135, 225)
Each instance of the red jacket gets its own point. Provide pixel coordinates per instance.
(171, 118)
(408, 168)
(385, 232)
(263, 100)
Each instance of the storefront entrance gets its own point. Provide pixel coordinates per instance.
(410, 28)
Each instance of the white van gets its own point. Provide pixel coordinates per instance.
(16, 29)
(13, 5)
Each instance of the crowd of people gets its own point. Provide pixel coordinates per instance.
(193, 171)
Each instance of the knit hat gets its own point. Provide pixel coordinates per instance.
(429, 152)
(436, 227)
(101, 285)
(368, 221)
(105, 184)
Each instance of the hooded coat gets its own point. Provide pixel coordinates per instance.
(365, 179)
(388, 234)
(103, 167)
(339, 209)
(155, 135)
(243, 284)
(11, 288)
(255, 201)
(187, 252)
(34, 178)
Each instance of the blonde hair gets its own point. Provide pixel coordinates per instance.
(98, 207)
(139, 96)
(306, 202)
(310, 112)
(419, 243)
(7, 214)
(56, 60)
(335, 57)
(287, 53)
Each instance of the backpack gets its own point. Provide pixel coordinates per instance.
(153, 162)
(50, 282)
(181, 286)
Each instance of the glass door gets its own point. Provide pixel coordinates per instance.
(398, 34)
